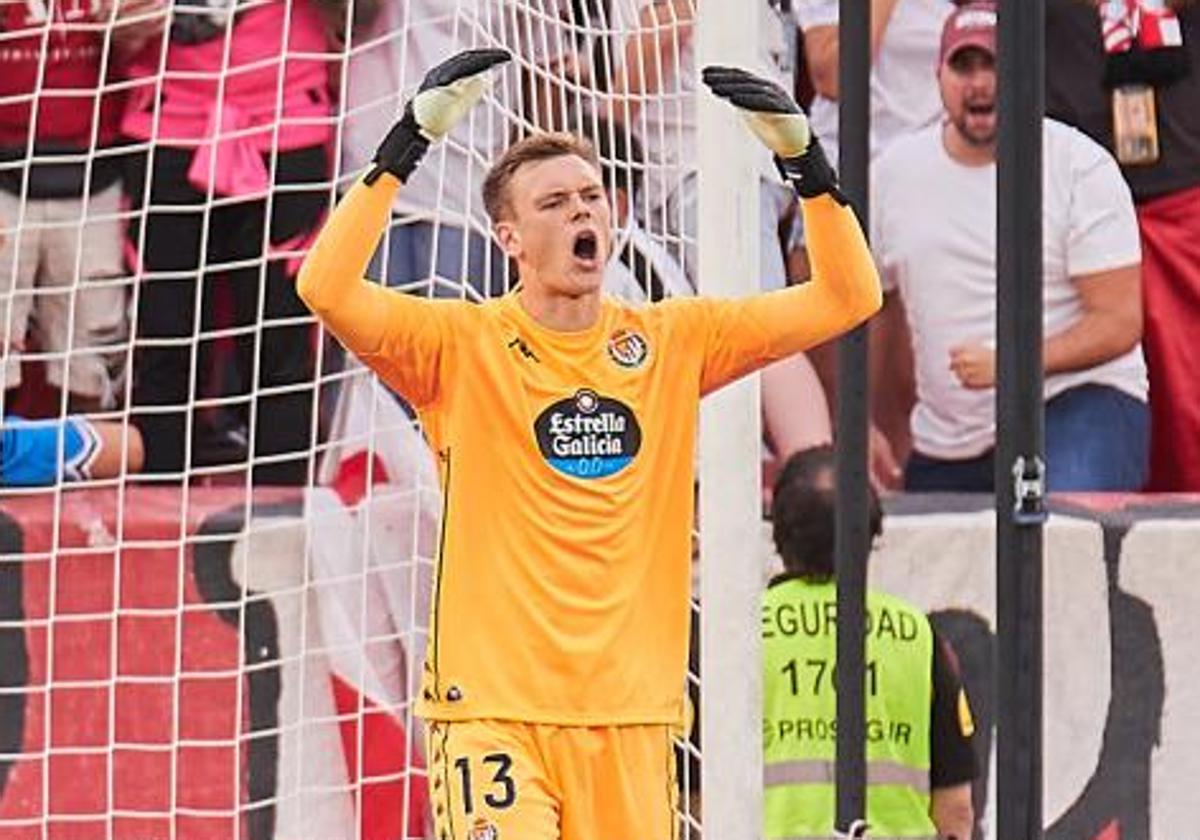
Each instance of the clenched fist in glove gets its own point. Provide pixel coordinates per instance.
(446, 93)
(780, 124)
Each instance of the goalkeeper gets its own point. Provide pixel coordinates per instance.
(564, 424)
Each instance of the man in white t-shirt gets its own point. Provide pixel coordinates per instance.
(904, 50)
(440, 243)
(933, 231)
(903, 99)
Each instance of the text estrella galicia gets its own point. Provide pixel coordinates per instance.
(588, 435)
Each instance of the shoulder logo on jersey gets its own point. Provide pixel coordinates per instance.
(588, 435)
(483, 830)
(628, 348)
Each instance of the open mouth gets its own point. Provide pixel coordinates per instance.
(586, 246)
(981, 109)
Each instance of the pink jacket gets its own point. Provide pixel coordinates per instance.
(233, 113)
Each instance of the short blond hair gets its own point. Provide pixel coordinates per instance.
(531, 149)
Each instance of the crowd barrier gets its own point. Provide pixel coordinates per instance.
(1121, 696)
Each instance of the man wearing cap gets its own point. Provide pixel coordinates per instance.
(934, 234)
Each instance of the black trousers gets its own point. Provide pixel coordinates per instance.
(205, 269)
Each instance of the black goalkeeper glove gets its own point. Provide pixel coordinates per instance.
(780, 124)
(446, 93)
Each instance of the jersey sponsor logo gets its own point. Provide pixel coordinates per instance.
(588, 436)
(628, 348)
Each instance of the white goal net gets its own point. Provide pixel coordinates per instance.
(217, 542)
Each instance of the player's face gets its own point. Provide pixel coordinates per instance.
(968, 83)
(560, 225)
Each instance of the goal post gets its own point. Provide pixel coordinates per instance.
(730, 513)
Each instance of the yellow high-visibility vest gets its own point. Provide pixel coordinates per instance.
(799, 631)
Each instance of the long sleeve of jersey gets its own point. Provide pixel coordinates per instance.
(745, 334)
(403, 338)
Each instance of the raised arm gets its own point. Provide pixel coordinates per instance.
(331, 281)
(844, 290)
(845, 282)
(394, 333)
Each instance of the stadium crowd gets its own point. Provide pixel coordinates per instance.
(163, 168)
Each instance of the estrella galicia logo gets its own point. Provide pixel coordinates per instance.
(588, 436)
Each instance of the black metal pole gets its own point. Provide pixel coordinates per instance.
(1019, 421)
(852, 535)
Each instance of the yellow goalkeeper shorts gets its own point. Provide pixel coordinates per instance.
(503, 780)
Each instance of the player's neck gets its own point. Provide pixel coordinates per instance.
(559, 312)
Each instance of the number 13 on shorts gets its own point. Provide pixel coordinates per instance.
(483, 785)
(500, 780)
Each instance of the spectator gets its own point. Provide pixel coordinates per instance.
(1079, 76)
(234, 177)
(903, 98)
(59, 196)
(655, 86)
(934, 236)
(920, 762)
(904, 45)
(439, 242)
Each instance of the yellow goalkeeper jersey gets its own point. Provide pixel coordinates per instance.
(561, 593)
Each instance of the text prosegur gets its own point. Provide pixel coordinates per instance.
(822, 729)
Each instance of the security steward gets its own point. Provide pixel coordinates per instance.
(920, 762)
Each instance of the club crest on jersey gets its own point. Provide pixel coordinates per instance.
(588, 435)
(628, 348)
(483, 830)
